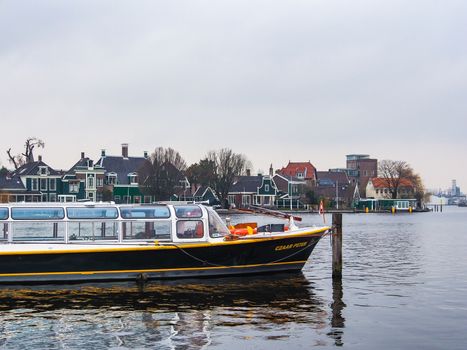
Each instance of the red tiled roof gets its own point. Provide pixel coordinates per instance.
(293, 168)
(379, 182)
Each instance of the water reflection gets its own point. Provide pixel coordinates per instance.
(171, 314)
(337, 306)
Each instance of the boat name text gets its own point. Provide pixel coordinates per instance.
(290, 246)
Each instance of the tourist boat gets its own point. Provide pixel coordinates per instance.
(57, 242)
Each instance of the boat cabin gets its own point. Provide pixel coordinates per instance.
(73, 223)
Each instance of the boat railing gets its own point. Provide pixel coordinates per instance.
(76, 223)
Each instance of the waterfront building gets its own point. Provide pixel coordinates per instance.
(360, 168)
(336, 187)
(291, 189)
(34, 182)
(85, 180)
(379, 188)
(300, 170)
(196, 194)
(13, 190)
(121, 176)
(259, 190)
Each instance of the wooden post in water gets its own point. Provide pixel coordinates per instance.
(337, 246)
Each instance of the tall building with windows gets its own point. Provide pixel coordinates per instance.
(360, 169)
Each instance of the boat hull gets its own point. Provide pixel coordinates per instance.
(245, 256)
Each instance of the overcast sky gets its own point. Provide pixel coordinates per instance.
(274, 80)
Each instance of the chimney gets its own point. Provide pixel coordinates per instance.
(82, 155)
(102, 152)
(125, 150)
(146, 154)
(39, 158)
(90, 163)
(248, 172)
(271, 171)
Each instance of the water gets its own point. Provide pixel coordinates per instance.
(404, 287)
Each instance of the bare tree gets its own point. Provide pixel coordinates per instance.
(202, 173)
(162, 173)
(392, 172)
(28, 155)
(227, 165)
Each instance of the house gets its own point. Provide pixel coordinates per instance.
(85, 180)
(13, 190)
(290, 189)
(378, 188)
(336, 187)
(121, 176)
(360, 169)
(258, 190)
(196, 194)
(300, 170)
(40, 182)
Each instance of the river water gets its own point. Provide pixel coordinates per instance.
(404, 286)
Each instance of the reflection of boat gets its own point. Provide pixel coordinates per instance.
(82, 242)
(283, 291)
(169, 314)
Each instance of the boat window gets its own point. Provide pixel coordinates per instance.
(190, 229)
(217, 228)
(92, 213)
(158, 212)
(3, 213)
(38, 231)
(37, 213)
(146, 230)
(92, 230)
(188, 211)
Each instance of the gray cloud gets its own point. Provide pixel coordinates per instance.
(310, 80)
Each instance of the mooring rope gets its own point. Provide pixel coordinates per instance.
(227, 266)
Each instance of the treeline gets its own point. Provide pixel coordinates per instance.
(166, 171)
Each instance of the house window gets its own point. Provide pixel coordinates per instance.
(147, 199)
(137, 199)
(44, 197)
(53, 197)
(43, 184)
(90, 196)
(100, 182)
(133, 178)
(300, 175)
(43, 170)
(91, 183)
(126, 199)
(117, 199)
(266, 188)
(53, 184)
(74, 187)
(246, 200)
(34, 184)
(111, 179)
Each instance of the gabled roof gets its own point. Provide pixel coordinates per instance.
(122, 166)
(294, 168)
(33, 169)
(289, 178)
(379, 182)
(248, 184)
(11, 183)
(330, 178)
(82, 163)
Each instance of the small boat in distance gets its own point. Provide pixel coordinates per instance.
(61, 242)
